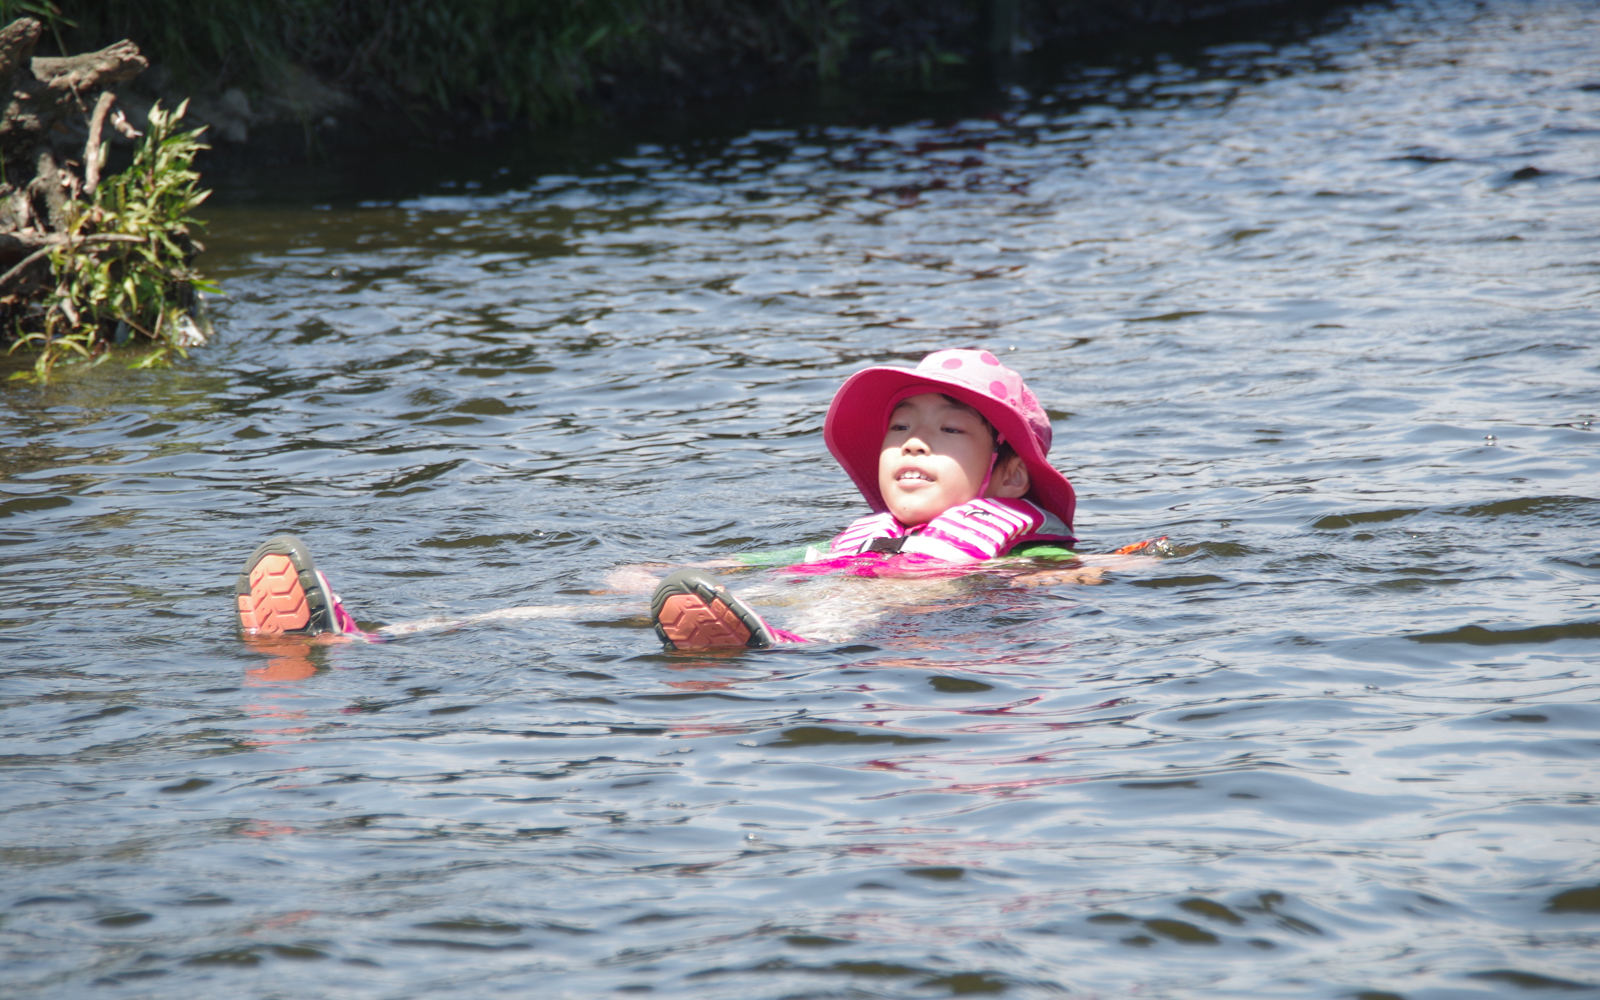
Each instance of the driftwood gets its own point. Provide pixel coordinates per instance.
(94, 154)
(51, 150)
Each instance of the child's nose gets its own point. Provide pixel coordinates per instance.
(914, 446)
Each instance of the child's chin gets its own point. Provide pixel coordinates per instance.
(911, 515)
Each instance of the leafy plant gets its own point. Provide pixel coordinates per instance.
(123, 271)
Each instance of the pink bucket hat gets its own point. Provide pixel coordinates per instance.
(860, 414)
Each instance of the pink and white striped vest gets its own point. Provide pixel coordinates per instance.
(973, 532)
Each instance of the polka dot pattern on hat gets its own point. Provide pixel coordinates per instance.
(853, 429)
(982, 373)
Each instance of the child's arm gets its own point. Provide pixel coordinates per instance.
(1093, 568)
(778, 557)
(1053, 577)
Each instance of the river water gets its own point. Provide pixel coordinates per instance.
(1321, 309)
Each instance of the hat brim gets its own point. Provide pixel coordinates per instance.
(854, 428)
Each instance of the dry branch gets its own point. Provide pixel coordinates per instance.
(44, 110)
(33, 241)
(43, 113)
(17, 41)
(92, 70)
(43, 92)
(94, 155)
(55, 241)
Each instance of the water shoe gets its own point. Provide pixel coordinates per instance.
(693, 611)
(281, 592)
(1149, 547)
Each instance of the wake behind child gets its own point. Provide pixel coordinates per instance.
(950, 457)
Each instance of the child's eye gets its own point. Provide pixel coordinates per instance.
(953, 430)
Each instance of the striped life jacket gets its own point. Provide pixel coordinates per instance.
(972, 532)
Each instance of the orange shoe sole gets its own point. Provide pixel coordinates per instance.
(276, 602)
(693, 612)
(279, 591)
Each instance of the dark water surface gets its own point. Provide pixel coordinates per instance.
(1323, 311)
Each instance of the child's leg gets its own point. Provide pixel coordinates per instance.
(784, 635)
(281, 591)
(528, 612)
(693, 611)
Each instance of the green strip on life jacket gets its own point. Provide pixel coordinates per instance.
(1040, 550)
(782, 557)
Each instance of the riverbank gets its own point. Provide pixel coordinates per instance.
(284, 82)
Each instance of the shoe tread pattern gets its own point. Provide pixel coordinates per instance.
(276, 601)
(688, 621)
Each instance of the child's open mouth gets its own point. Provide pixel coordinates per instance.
(913, 475)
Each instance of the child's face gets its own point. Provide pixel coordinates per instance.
(935, 456)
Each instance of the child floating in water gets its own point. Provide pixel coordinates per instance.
(950, 456)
